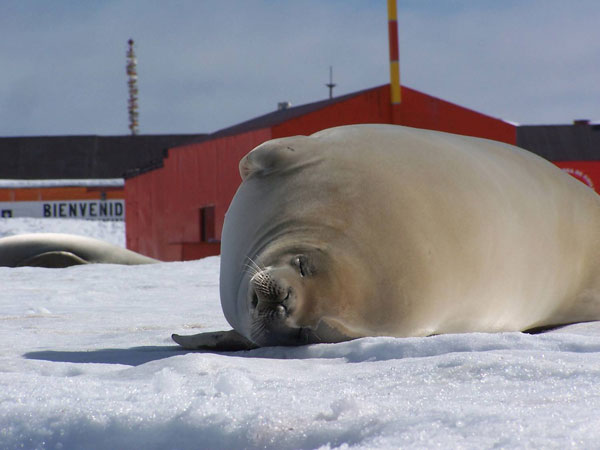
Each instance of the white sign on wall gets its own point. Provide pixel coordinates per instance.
(74, 209)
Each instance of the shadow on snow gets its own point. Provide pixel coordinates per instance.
(134, 356)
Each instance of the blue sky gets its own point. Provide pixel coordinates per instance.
(204, 65)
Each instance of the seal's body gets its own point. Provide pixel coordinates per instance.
(63, 250)
(382, 230)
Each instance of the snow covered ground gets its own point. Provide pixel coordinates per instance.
(105, 182)
(86, 361)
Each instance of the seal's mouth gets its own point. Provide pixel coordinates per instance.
(278, 299)
(271, 302)
(270, 321)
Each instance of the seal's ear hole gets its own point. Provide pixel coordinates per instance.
(262, 160)
(270, 157)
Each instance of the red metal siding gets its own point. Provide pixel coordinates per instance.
(588, 172)
(423, 111)
(372, 106)
(165, 203)
(416, 110)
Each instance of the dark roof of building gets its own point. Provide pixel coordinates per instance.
(79, 157)
(265, 121)
(577, 142)
(281, 115)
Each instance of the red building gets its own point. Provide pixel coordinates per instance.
(176, 212)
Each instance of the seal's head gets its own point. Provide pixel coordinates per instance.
(284, 298)
(291, 266)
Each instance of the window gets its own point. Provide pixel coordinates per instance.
(207, 224)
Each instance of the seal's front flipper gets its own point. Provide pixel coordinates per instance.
(218, 341)
(55, 259)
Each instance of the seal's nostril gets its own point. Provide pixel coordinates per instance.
(281, 311)
(254, 302)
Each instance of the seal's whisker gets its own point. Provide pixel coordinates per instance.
(258, 328)
(250, 270)
(252, 267)
(263, 281)
(255, 264)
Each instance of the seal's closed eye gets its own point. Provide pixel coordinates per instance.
(302, 265)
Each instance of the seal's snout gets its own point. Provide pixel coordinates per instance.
(269, 293)
(272, 299)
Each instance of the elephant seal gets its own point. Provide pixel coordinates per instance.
(384, 230)
(62, 250)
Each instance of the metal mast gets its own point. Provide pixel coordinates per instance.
(132, 104)
(331, 84)
(395, 90)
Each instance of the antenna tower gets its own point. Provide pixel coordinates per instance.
(331, 84)
(132, 104)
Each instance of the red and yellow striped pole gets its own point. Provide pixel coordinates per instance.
(396, 95)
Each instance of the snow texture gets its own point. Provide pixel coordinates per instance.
(86, 361)
(100, 182)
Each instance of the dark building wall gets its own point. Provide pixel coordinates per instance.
(574, 148)
(577, 142)
(166, 206)
(81, 157)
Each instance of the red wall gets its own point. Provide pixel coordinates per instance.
(163, 206)
(423, 111)
(372, 106)
(416, 110)
(588, 172)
